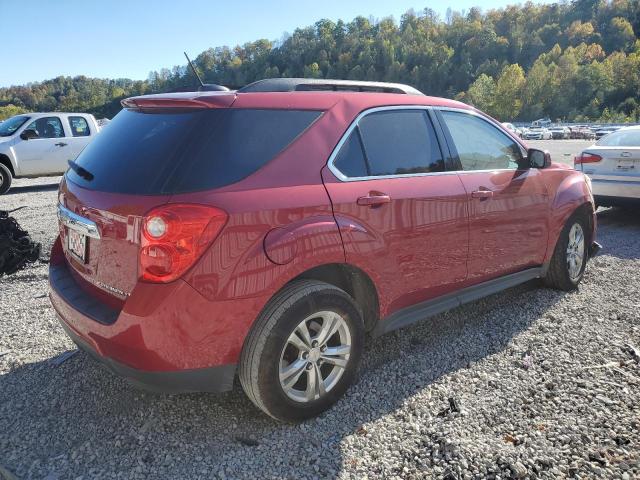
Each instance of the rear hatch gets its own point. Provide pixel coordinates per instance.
(146, 157)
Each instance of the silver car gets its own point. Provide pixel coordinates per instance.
(613, 165)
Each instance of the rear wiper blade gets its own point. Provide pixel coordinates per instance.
(83, 172)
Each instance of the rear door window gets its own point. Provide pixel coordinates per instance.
(393, 142)
(179, 151)
(79, 127)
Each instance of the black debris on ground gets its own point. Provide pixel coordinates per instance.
(16, 247)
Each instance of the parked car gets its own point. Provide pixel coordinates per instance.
(537, 133)
(560, 133)
(264, 232)
(582, 132)
(541, 122)
(613, 165)
(512, 128)
(41, 144)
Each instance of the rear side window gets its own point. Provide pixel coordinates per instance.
(185, 151)
(79, 127)
(350, 160)
(480, 145)
(395, 142)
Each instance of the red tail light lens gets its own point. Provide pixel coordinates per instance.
(586, 157)
(174, 237)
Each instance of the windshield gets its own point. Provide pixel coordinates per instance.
(621, 138)
(9, 126)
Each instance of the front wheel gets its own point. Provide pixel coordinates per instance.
(303, 352)
(570, 256)
(5, 179)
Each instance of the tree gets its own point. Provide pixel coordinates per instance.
(481, 93)
(620, 35)
(577, 58)
(508, 93)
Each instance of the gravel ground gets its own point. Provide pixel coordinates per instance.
(544, 382)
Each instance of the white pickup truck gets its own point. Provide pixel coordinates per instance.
(41, 144)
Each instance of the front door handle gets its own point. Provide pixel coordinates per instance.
(374, 199)
(482, 194)
(61, 144)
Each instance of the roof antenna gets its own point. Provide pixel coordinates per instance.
(195, 72)
(208, 87)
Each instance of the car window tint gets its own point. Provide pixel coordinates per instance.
(165, 151)
(79, 127)
(400, 142)
(350, 160)
(480, 145)
(47, 127)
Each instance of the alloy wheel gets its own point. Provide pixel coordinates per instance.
(575, 251)
(315, 356)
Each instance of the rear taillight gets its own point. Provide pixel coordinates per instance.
(586, 157)
(174, 237)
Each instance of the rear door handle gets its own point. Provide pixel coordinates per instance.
(374, 199)
(61, 144)
(482, 194)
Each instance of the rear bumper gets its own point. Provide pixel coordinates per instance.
(212, 379)
(616, 189)
(165, 338)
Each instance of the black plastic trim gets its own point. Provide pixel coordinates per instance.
(415, 313)
(62, 281)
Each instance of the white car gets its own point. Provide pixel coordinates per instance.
(613, 165)
(512, 128)
(537, 133)
(41, 144)
(560, 132)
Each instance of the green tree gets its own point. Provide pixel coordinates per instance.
(508, 93)
(481, 93)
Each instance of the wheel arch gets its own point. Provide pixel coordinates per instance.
(352, 280)
(585, 207)
(6, 161)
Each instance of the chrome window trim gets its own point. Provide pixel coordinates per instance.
(494, 124)
(343, 178)
(77, 223)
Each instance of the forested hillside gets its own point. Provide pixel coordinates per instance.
(576, 60)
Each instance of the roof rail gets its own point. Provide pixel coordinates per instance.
(324, 84)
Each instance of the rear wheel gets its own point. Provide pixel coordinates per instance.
(5, 179)
(570, 256)
(303, 352)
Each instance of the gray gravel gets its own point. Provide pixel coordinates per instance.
(544, 382)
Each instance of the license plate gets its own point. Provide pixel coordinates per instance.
(626, 163)
(77, 244)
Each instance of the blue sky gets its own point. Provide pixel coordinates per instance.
(42, 39)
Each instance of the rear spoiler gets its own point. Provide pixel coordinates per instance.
(181, 100)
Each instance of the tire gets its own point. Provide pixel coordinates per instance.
(563, 274)
(277, 373)
(5, 179)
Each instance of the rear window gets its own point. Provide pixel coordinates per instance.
(621, 138)
(185, 151)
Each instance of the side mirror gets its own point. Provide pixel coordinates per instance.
(538, 158)
(28, 134)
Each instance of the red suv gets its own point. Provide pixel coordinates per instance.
(264, 232)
